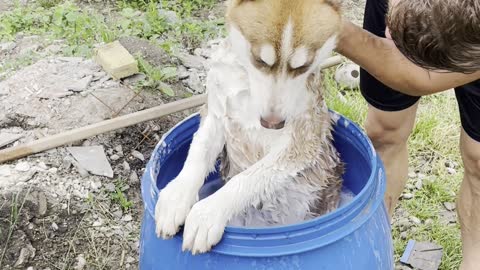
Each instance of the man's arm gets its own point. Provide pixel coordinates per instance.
(381, 58)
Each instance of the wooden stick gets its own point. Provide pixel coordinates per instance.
(73, 135)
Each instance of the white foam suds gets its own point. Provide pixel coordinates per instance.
(346, 196)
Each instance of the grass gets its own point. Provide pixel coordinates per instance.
(434, 139)
(433, 142)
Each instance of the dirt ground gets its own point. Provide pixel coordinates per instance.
(54, 214)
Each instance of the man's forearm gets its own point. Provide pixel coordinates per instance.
(384, 61)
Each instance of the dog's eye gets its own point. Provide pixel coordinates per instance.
(260, 62)
(299, 70)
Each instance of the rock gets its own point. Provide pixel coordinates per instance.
(95, 185)
(421, 176)
(403, 235)
(114, 157)
(53, 170)
(419, 184)
(81, 262)
(195, 83)
(127, 218)
(110, 187)
(81, 85)
(8, 138)
(422, 255)
(170, 16)
(22, 166)
(451, 164)
(97, 223)
(92, 159)
(116, 60)
(152, 53)
(54, 227)
(429, 221)
(118, 214)
(449, 206)
(134, 79)
(42, 165)
(182, 73)
(138, 155)
(447, 217)
(407, 196)
(409, 186)
(134, 178)
(192, 61)
(26, 253)
(42, 203)
(6, 47)
(126, 166)
(119, 150)
(130, 259)
(415, 220)
(451, 171)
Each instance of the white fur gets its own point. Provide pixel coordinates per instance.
(287, 40)
(267, 54)
(299, 58)
(238, 94)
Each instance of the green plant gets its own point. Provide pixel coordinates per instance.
(156, 78)
(119, 197)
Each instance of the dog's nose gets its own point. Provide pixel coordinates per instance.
(272, 122)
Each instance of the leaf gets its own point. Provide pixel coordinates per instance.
(167, 90)
(71, 17)
(168, 72)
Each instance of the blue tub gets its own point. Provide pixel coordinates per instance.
(356, 236)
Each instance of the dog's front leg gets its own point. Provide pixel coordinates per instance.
(208, 218)
(176, 199)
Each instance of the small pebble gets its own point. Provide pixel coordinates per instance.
(138, 155)
(110, 187)
(54, 226)
(449, 206)
(127, 218)
(114, 157)
(407, 196)
(42, 165)
(22, 166)
(410, 186)
(126, 166)
(429, 221)
(119, 150)
(421, 176)
(403, 235)
(412, 175)
(451, 171)
(415, 220)
(419, 184)
(134, 178)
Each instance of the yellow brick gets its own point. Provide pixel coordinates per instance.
(116, 60)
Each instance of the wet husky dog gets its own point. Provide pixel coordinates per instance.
(267, 118)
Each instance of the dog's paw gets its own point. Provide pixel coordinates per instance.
(174, 203)
(204, 226)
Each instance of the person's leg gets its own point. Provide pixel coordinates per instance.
(468, 203)
(391, 114)
(389, 132)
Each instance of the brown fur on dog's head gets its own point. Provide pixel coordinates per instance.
(264, 21)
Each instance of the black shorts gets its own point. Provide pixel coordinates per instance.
(384, 98)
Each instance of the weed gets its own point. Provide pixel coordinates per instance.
(156, 77)
(119, 197)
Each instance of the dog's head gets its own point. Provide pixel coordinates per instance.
(281, 43)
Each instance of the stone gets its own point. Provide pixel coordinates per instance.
(407, 196)
(22, 166)
(110, 187)
(127, 218)
(170, 16)
(116, 60)
(403, 235)
(422, 255)
(92, 159)
(449, 206)
(451, 171)
(195, 83)
(81, 85)
(26, 253)
(134, 178)
(419, 184)
(182, 73)
(126, 166)
(114, 157)
(81, 262)
(138, 155)
(6, 47)
(192, 61)
(134, 79)
(8, 138)
(415, 220)
(54, 227)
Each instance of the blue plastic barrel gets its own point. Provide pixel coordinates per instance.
(356, 236)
